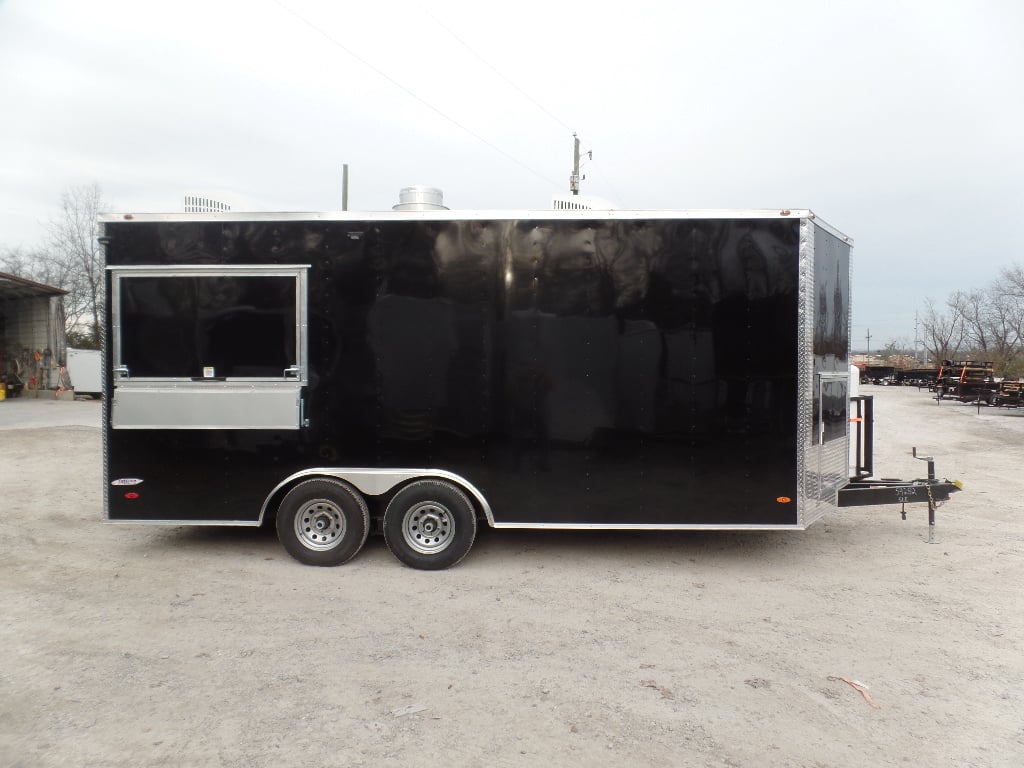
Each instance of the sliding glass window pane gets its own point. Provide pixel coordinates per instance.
(830, 410)
(220, 325)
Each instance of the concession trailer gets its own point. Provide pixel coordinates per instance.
(418, 373)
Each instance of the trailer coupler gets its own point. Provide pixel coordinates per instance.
(862, 493)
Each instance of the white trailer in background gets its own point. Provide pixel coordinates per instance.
(85, 370)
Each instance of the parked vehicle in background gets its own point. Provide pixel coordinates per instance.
(878, 374)
(966, 381)
(917, 377)
(1009, 393)
(85, 370)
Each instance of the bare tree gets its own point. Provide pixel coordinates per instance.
(32, 265)
(77, 259)
(943, 333)
(1008, 294)
(1012, 280)
(973, 306)
(983, 324)
(897, 351)
(1004, 324)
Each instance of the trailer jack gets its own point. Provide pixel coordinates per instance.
(860, 492)
(931, 497)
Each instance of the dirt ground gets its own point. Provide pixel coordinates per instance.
(132, 646)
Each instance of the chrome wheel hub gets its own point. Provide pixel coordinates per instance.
(320, 525)
(428, 528)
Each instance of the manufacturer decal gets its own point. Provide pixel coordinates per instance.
(126, 481)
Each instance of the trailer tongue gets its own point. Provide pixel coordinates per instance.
(862, 491)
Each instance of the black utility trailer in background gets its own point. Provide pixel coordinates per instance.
(967, 381)
(414, 373)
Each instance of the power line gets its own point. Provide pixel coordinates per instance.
(607, 180)
(418, 98)
(495, 70)
(513, 84)
(522, 92)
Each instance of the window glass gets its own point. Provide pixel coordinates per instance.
(198, 326)
(830, 410)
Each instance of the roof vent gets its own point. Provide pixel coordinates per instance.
(420, 198)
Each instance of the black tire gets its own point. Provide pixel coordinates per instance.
(430, 525)
(323, 522)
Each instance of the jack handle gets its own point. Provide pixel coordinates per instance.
(929, 459)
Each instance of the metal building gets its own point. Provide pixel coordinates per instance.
(33, 344)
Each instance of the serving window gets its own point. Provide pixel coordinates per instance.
(188, 342)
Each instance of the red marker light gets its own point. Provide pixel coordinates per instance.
(131, 495)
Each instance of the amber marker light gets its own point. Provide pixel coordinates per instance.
(783, 499)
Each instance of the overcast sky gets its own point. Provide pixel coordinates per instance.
(899, 123)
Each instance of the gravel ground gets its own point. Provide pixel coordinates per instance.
(133, 645)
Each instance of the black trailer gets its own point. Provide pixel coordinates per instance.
(1009, 394)
(917, 377)
(878, 374)
(967, 381)
(416, 373)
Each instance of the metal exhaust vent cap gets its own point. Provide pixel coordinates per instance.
(420, 198)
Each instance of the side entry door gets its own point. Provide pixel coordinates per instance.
(209, 347)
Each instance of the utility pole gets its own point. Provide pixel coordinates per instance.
(344, 187)
(915, 342)
(574, 180)
(869, 341)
